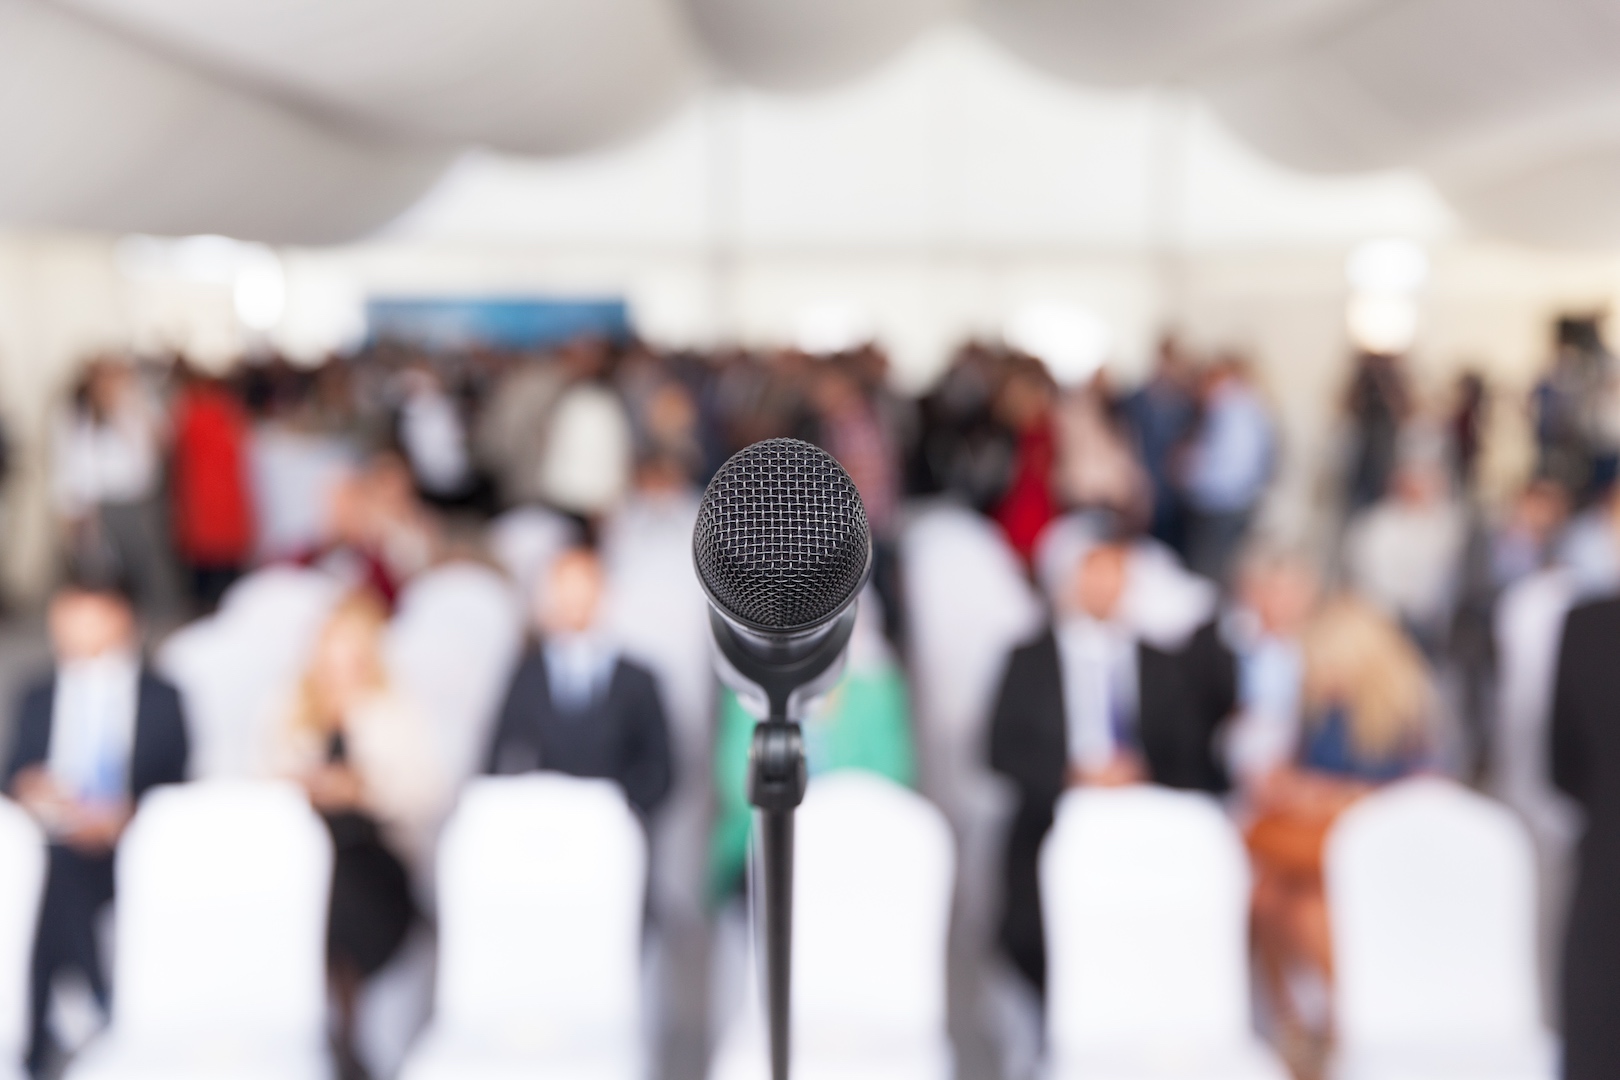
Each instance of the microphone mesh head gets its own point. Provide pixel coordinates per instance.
(781, 541)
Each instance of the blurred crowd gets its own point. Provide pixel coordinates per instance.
(159, 468)
(1183, 640)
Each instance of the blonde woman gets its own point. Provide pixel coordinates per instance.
(1368, 713)
(362, 753)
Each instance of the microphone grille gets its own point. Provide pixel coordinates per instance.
(781, 541)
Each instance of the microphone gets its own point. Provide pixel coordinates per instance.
(782, 549)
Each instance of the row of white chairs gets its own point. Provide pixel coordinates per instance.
(1432, 890)
(218, 968)
(455, 638)
(220, 924)
(219, 956)
(960, 635)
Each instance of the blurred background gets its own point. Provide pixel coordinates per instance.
(1228, 386)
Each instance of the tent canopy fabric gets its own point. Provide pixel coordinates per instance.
(318, 120)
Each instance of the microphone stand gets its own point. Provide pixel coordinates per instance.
(777, 777)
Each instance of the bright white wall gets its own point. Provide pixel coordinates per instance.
(61, 299)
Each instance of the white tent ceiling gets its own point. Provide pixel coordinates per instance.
(954, 149)
(316, 120)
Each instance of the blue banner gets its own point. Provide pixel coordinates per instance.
(513, 322)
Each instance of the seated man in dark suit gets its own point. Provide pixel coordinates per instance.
(1586, 765)
(575, 704)
(1097, 700)
(90, 740)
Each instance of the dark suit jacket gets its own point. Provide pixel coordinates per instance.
(78, 884)
(622, 737)
(161, 746)
(1182, 699)
(1586, 764)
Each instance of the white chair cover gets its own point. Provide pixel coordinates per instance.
(1432, 894)
(657, 613)
(451, 648)
(541, 890)
(524, 541)
(220, 964)
(454, 641)
(233, 666)
(22, 878)
(871, 910)
(1529, 630)
(1145, 895)
(968, 604)
(294, 475)
(1164, 603)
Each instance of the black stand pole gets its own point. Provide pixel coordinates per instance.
(777, 777)
(776, 783)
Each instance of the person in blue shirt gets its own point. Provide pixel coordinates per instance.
(1227, 469)
(1162, 414)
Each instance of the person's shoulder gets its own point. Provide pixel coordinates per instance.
(153, 685)
(1034, 649)
(531, 661)
(1594, 617)
(635, 673)
(154, 682)
(1208, 637)
(38, 690)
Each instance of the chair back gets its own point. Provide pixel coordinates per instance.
(874, 864)
(968, 602)
(22, 879)
(656, 610)
(1432, 894)
(1529, 628)
(525, 541)
(542, 883)
(455, 638)
(223, 890)
(1145, 896)
(231, 667)
(294, 475)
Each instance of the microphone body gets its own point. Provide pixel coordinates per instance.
(777, 679)
(782, 549)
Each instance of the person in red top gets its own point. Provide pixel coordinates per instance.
(213, 507)
(1025, 406)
